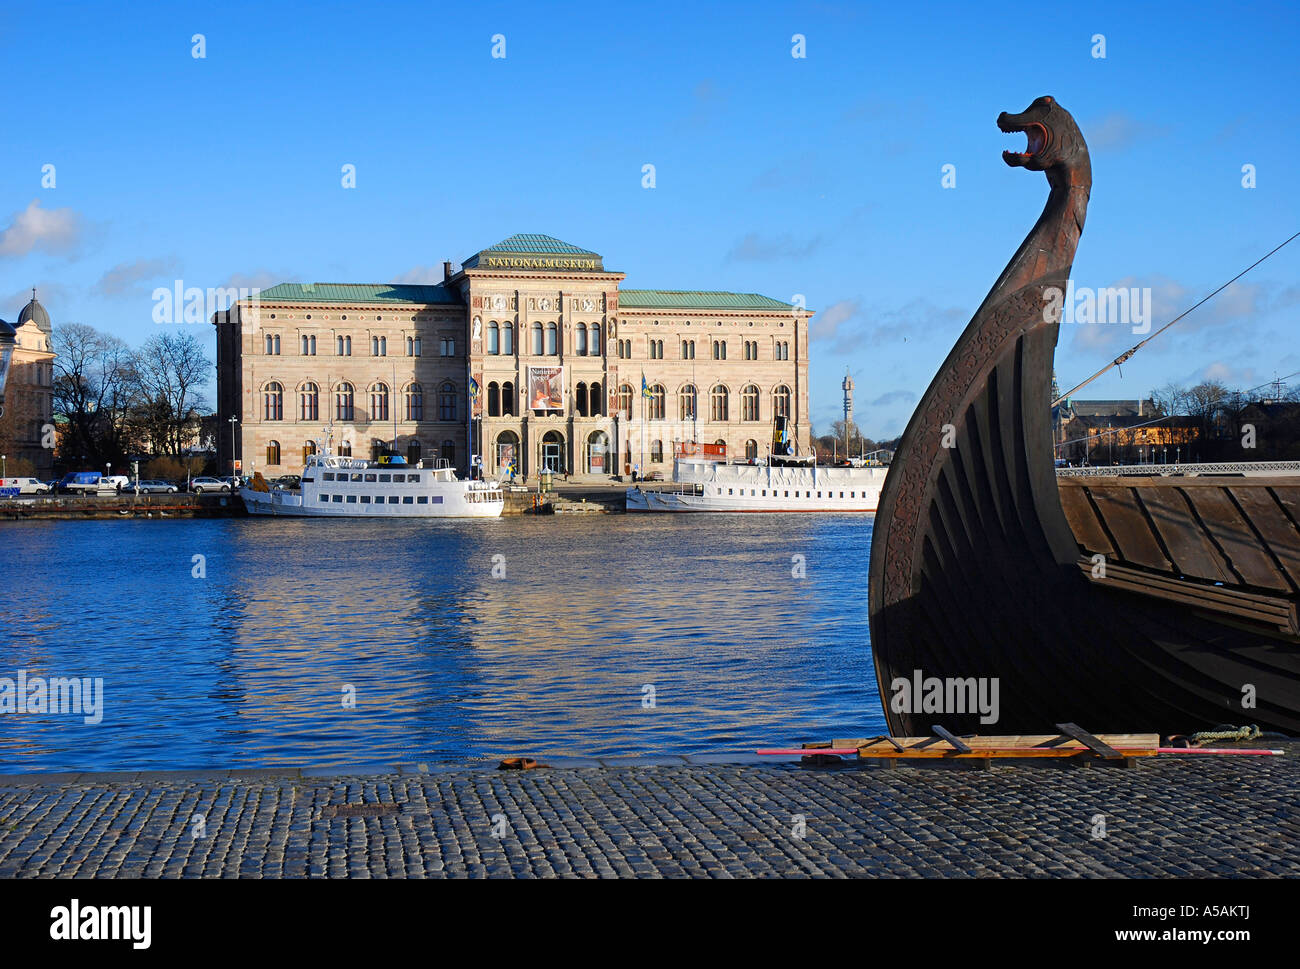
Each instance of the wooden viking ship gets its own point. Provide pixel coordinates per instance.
(1156, 604)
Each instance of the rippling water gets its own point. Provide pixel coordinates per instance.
(248, 666)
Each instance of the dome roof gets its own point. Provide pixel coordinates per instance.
(34, 312)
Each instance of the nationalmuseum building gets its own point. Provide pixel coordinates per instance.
(529, 354)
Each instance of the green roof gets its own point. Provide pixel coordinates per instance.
(535, 242)
(692, 299)
(359, 293)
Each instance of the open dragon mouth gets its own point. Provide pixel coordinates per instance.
(1036, 139)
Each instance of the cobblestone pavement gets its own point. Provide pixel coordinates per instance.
(1202, 816)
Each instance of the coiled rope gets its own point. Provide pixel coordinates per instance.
(1226, 731)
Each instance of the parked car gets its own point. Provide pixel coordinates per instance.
(154, 486)
(234, 480)
(200, 485)
(115, 481)
(25, 486)
(289, 482)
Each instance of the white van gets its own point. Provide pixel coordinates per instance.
(25, 486)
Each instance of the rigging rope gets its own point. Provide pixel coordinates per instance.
(1226, 731)
(1123, 357)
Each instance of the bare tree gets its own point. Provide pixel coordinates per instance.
(171, 370)
(93, 382)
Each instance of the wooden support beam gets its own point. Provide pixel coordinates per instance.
(958, 744)
(1098, 747)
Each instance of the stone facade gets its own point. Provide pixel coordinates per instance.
(29, 393)
(556, 351)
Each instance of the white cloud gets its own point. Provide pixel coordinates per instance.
(35, 228)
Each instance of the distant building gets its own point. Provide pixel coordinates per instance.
(1121, 432)
(530, 354)
(29, 393)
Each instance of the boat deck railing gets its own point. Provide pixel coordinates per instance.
(1252, 468)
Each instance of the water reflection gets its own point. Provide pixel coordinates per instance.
(252, 664)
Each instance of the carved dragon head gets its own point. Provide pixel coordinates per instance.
(1055, 144)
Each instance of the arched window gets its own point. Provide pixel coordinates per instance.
(494, 338)
(719, 349)
(625, 400)
(719, 401)
(508, 339)
(413, 452)
(343, 409)
(447, 402)
(414, 402)
(494, 399)
(379, 402)
(656, 402)
(309, 401)
(749, 403)
(552, 340)
(593, 346)
(345, 448)
(537, 340)
(657, 451)
(751, 449)
(580, 398)
(308, 450)
(508, 399)
(688, 349)
(781, 401)
(687, 399)
(273, 402)
(580, 345)
(273, 452)
(597, 406)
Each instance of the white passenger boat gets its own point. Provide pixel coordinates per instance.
(342, 487)
(781, 485)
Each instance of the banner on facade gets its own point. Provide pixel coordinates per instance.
(476, 394)
(546, 388)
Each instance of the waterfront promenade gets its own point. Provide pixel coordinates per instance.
(674, 817)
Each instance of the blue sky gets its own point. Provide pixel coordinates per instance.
(780, 175)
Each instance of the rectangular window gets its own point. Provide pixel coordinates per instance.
(729, 491)
(356, 476)
(352, 499)
(385, 477)
(422, 500)
(437, 499)
(370, 477)
(392, 499)
(365, 499)
(412, 477)
(329, 475)
(408, 500)
(324, 497)
(338, 498)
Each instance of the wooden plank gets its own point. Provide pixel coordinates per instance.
(1097, 746)
(958, 744)
(1193, 552)
(1083, 520)
(1279, 534)
(1039, 745)
(1137, 543)
(1239, 543)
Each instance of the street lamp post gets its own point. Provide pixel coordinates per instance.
(233, 421)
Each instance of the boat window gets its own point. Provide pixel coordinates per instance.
(365, 499)
(408, 500)
(392, 499)
(329, 475)
(385, 477)
(729, 491)
(437, 499)
(412, 477)
(819, 494)
(841, 494)
(422, 500)
(370, 477)
(337, 497)
(352, 499)
(324, 497)
(356, 477)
